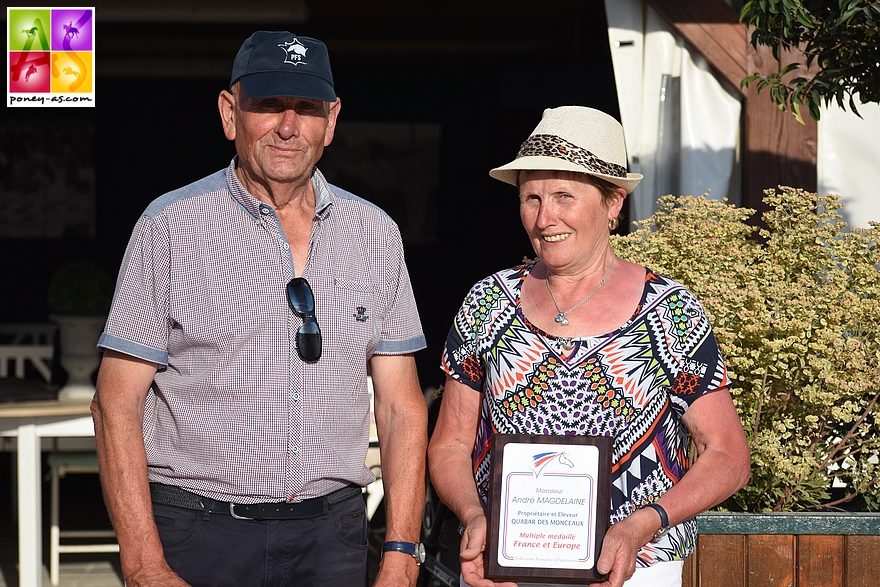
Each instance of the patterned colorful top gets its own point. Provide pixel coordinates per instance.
(633, 384)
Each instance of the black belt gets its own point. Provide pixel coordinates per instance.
(308, 508)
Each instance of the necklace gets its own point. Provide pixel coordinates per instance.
(565, 343)
(561, 316)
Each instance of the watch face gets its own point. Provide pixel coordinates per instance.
(420, 555)
(661, 533)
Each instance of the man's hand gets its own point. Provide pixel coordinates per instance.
(159, 578)
(397, 569)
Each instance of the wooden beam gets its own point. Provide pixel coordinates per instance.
(713, 29)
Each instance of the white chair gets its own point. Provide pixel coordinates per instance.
(60, 464)
(28, 332)
(22, 343)
(40, 356)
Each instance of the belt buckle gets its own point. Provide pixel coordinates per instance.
(234, 515)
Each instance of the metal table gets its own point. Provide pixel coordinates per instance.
(29, 422)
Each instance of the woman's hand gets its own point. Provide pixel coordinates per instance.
(473, 547)
(621, 546)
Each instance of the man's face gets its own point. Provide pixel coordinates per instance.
(278, 139)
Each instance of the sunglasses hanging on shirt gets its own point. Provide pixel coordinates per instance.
(302, 302)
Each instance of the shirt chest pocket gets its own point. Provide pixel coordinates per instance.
(357, 314)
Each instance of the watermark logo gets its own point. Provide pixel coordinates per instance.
(50, 57)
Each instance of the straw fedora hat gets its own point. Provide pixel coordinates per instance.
(574, 138)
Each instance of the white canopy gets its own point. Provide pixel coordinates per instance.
(682, 123)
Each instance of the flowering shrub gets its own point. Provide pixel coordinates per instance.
(796, 312)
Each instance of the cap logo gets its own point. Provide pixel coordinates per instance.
(558, 148)
(294, 52)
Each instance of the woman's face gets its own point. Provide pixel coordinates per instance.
(566, 218)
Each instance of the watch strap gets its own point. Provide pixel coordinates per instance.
(414, 549)
(664, 520)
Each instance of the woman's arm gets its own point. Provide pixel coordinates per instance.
(723, 460)
(450, 455)
(721, 468)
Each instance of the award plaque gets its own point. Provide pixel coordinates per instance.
(549, 505)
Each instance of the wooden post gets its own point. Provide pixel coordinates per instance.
(778, 149)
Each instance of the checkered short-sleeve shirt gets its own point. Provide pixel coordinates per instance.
(233, 413)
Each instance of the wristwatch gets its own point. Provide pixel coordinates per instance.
(664, 521)
(414, 549)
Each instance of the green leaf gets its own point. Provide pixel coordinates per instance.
(746, 82)
(804, 19)
(840, 42)
(788, 68)
(815, 110)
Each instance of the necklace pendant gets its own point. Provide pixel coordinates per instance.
(560, 317)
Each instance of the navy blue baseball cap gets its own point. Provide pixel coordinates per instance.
(279, 63)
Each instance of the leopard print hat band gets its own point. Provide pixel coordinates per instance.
(574, 138)
(553, 146)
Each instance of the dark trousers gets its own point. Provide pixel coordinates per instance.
(217, 550)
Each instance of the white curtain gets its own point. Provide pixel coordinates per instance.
(682, 124)
(849, 161)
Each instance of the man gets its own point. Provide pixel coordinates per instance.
(232, 410)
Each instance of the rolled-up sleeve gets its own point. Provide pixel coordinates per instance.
(138, 321)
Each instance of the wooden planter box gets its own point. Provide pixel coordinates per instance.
(785, 550)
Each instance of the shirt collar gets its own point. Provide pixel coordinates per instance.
(323, 194)
(239, 192)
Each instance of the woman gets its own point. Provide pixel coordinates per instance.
(583, 342)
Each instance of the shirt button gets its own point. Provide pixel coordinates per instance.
(286, 246)
(296, 397)
(295, 450)
(264, 210)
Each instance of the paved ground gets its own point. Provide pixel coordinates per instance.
(81, 507)
(76, 574)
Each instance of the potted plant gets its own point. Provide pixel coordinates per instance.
(79, 298)
(795, 308)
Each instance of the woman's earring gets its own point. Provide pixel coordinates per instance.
(613, 224)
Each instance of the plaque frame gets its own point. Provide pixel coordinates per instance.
(602, 499)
